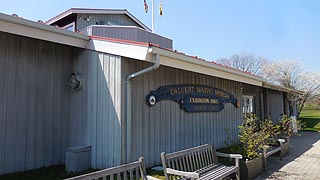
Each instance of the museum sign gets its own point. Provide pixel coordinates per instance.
(193, 98)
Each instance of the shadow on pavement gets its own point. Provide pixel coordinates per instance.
(298, 146)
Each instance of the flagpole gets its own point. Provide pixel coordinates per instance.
(153, 30)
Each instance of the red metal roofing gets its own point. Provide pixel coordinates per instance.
(158, 46)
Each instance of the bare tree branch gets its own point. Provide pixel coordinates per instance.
(244, 62)
(290, 74)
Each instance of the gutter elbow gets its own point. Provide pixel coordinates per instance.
(157, 63)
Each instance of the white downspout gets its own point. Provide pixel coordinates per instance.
(128, 102)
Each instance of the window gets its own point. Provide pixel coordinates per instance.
(70, 27)
(248, 104)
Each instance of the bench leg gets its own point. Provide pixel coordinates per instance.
(238, 175)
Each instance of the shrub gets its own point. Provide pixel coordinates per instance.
(286, 129)
(252, 137)
(268, 127)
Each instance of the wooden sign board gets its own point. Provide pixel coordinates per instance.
(193, 98)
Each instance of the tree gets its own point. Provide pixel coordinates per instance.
(244, 62)
(291, 75)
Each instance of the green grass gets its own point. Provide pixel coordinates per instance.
(156, 174)
(312, 119)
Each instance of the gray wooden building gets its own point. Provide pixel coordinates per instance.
(41, 114)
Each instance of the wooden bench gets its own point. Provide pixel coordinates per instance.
(133, 171)
(198, 163)
(272, 148)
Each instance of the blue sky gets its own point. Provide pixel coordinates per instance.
(275, 29)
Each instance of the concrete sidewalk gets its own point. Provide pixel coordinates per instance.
(302, 162)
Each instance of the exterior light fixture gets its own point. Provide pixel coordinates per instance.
(75, 81)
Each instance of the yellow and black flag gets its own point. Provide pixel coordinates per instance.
(160, 8)
(145, 6)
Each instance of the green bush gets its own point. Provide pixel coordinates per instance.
(252, 136)
(286, 129)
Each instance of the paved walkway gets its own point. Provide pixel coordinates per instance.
(302, 162)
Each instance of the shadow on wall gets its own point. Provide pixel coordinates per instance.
(40, 116)
(34, 103)
(95, 110)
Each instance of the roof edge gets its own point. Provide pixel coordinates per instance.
(41, 26)
(23, 27)
(96, 11)
(200, 62)
(280, 88)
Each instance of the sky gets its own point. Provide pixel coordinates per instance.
(211, 29)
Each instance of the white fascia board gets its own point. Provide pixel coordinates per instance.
(184, 62)
(120, 49)
(280, 88)
(97, 11)
(58, 17)
(19, 26)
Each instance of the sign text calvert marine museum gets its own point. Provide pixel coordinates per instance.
(193, 98)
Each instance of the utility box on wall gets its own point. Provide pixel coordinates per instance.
(78, 158)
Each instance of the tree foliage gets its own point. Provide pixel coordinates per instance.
(290, 74)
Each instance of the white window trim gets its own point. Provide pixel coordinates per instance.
(69, 25)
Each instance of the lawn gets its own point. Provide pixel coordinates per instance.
(311, 119)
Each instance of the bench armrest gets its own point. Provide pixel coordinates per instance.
(234, 156)
(281, 141)
(182, 173)
(151, 178)
(231, 156)
(276, 139)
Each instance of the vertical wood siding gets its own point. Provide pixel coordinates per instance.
(34, 103)
(276, 107)
(40, 116)
(128, 33)
(96, 108)
(165, 127)
(104, 19)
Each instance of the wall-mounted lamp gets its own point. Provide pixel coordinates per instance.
(75, 81)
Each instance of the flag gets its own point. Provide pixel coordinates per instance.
(145, 6)
(160, 8)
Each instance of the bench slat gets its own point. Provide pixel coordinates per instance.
(183, 162)
(125, 175)
(191, 163)
(197, 163)
(218, 173)
(186, 151)
(131, 175)
(118, 172)
(187, 163)
(137, 174)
